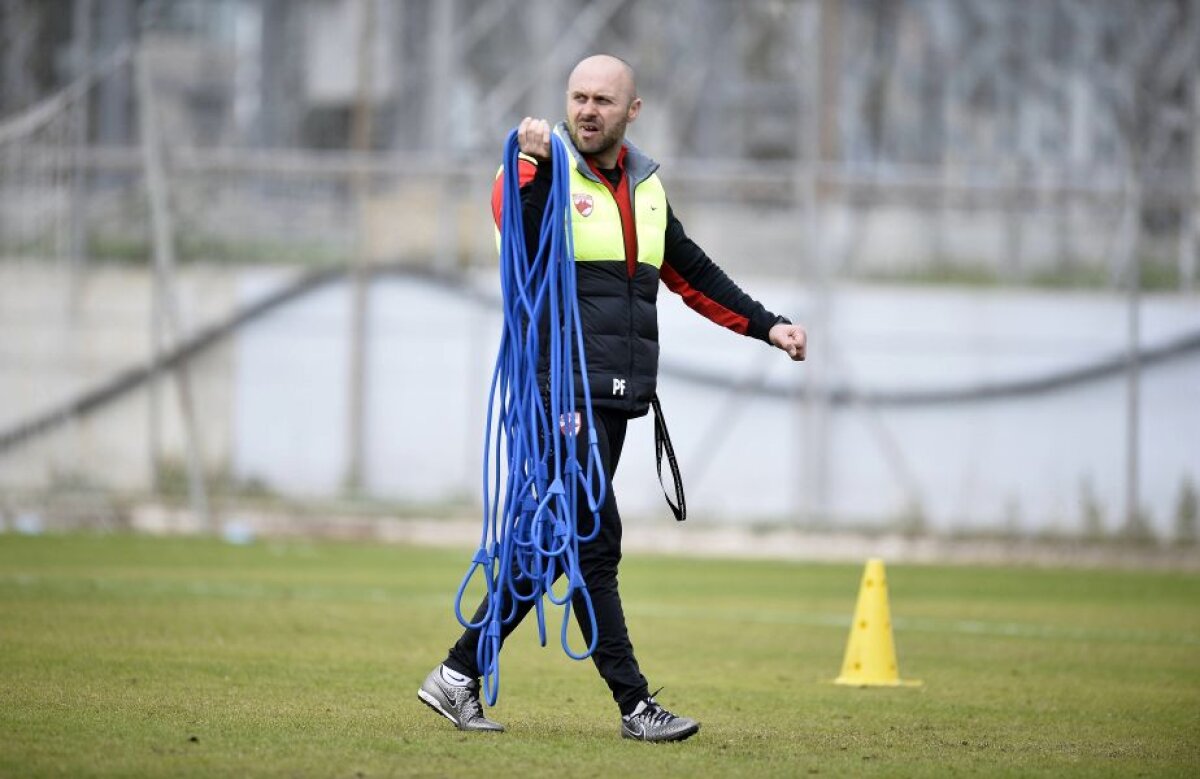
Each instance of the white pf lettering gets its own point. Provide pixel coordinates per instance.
(618, 386)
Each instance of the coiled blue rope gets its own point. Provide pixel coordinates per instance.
(532, 475)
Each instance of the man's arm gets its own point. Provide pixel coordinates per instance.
(534, 174)
(534, 181)
(704, 287)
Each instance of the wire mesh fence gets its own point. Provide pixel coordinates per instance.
(809, 144)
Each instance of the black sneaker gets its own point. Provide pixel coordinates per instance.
(456, 698)
(651, 722)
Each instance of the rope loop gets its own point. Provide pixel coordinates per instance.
(534, 477)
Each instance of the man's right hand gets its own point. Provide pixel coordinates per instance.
(533, 136)
(793, 339)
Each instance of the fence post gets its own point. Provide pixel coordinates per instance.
(165, 316)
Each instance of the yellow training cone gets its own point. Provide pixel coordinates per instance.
(871, 651)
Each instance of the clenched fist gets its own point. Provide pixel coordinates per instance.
(791, 338)
(533, 136)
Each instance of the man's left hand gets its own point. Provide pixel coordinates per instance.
(791, 338)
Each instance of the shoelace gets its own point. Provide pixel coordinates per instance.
(654, 714)
(467, 701)
(657, 715)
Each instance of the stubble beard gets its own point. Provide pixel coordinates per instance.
(609, 138)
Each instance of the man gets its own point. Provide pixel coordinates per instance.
(626, 238)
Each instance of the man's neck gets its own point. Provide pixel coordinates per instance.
(612, 175)
(608, 159)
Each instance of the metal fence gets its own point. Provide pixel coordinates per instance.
(1052, 144)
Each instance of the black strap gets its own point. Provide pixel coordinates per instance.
(662, 441)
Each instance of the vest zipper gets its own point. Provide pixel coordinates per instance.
(631, 269)
(630, 262)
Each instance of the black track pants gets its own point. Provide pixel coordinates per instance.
(599, 559)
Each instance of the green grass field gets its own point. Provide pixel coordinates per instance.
(134, 656)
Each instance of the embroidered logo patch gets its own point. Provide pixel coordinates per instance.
(563, 420)
(583, 204)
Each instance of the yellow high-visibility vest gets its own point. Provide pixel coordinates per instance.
(596, 220)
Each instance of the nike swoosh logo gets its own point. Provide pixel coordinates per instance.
(637, 729)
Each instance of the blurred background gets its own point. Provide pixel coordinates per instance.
(248, 274)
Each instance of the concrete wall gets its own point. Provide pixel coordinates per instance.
(274, 401)
(52, 349)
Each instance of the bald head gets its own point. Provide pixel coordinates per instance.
(601, 101)
(606, 70)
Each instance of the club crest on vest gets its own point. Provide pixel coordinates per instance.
(583, 204)
(565, 421)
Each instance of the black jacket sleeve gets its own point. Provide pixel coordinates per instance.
(533, 205)
(705, 288)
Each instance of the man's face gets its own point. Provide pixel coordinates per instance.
(600, 105)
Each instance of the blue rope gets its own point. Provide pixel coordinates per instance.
(532, 476)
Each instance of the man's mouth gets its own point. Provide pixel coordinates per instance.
(587, 128)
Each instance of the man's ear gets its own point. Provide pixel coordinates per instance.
(635, 108)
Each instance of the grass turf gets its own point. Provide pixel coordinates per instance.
(125, 655)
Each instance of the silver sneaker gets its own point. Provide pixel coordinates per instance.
(651, 722)
(457, 703)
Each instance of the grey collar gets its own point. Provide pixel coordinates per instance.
(638, 165)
